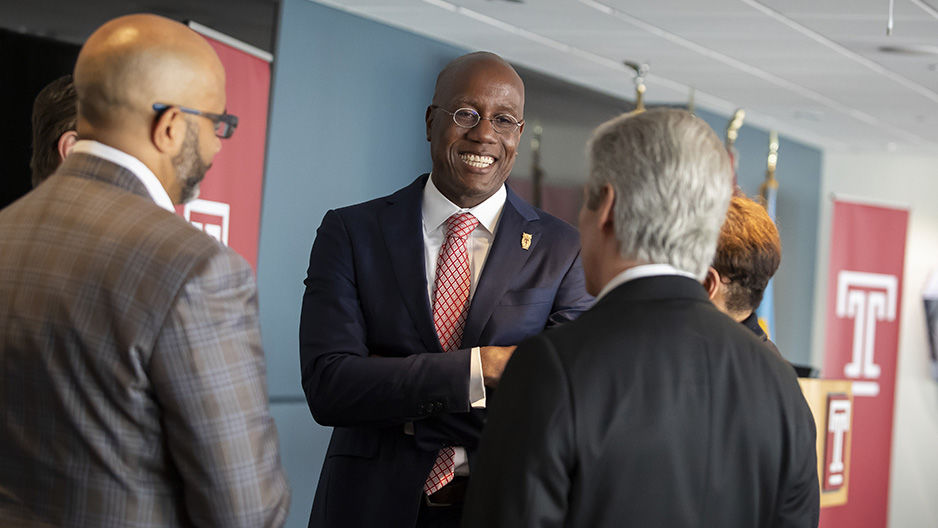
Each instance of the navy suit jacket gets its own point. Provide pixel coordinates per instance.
(371, 361)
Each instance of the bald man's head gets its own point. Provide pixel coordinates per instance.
(133, 62)
(465, 64)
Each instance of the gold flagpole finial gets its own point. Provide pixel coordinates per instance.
(732, 128)
(771, 162)
(641, 70)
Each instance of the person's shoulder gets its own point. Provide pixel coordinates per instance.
(410, 192)
(743, 341)
(224, 266)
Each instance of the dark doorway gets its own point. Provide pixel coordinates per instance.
(27, 63)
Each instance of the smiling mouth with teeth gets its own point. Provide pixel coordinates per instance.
(477, 161)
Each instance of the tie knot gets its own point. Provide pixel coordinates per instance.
(460, 225)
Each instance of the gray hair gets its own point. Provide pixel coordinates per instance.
(672, 179)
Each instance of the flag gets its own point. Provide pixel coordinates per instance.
(229, 204)
(864, 305)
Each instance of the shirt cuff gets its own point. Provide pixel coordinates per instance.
(460, 462)
(476, 383)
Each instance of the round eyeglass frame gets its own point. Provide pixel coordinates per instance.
(498, 126)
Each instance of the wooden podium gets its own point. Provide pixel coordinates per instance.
(831, 402)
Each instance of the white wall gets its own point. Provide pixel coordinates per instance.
(911, 181)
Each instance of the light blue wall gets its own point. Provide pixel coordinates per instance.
(347, 125)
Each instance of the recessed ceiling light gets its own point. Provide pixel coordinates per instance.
(911, 49)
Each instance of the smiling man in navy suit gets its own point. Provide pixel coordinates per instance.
(414, 303)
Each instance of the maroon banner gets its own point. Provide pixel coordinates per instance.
(863, 313)
(229, 203)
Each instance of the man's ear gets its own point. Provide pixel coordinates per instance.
(66, 141)
(606, 208)
(711, 282)
(169, 131)
(429, 120)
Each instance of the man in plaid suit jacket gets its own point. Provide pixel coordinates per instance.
(132, 384)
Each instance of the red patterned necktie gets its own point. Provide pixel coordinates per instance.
(450, 304)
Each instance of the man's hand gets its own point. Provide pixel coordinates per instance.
(494, 359)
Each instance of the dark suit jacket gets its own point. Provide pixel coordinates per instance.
(371, 360)
(752, 323)
(132, 386)
(651, 409)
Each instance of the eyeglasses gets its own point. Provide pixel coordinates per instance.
(224, 123)
(469, 118)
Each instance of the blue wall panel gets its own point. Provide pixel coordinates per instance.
(302, 450)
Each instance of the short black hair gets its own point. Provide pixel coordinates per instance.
(54, 113)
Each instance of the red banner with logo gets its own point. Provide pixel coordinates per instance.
(863, 313)
(229, 204)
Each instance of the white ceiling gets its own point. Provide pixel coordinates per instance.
(811, 69)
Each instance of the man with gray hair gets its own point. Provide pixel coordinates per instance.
(653, 408)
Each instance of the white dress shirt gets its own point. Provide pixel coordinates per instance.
(132, 164)
(436, 209)
(638, 272)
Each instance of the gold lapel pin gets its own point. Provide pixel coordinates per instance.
(525, 241)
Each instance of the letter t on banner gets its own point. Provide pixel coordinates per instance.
(863, 305)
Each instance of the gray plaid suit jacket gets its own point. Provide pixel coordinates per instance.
(132, 379)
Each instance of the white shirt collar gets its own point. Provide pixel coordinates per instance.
(135, 166)
(638, 272)
(437, 208)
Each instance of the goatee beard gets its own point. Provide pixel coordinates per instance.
(190, 169)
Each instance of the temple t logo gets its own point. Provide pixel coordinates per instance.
(867, 298)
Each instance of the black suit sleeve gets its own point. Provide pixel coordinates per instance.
(526, 459)
(348, 384)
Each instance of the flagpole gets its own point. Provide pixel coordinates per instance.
(768, 193)
(641, 70)
(732, 132)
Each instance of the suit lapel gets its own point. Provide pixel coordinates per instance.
(401, 225)
(505, 260)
